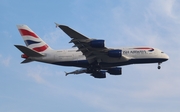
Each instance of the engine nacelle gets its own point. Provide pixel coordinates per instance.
(115, 71)
(115, 53)
(97, 43)
(100, 74)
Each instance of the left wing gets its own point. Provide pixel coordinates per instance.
(93, 49)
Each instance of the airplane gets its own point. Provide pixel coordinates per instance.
(91, 55)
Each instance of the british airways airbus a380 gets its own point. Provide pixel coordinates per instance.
(91, 56)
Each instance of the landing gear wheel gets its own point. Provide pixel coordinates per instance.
(159, 67)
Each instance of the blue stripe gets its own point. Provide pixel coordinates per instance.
(85, 64)
(79, 63)
(29, 42)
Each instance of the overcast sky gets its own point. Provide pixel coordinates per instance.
(39, 87)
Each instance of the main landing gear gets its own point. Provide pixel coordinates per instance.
(159, 67)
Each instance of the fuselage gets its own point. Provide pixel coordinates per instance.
(135, 55)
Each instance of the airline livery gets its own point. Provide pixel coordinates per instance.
(91, 56)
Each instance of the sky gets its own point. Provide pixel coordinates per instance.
(39, 87)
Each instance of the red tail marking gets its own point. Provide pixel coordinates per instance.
(27, 33)
(24, 56)
(40, 49)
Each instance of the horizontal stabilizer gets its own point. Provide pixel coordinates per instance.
(28, 51)
(26, 61)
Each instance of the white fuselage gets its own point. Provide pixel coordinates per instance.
(65, 57)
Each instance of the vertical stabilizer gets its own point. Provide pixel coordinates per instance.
(32, 40)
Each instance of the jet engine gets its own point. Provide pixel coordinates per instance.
(99, 74)
(115, 53)
(115, 71)
(97, 43)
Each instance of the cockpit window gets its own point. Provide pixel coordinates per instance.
(162, 52)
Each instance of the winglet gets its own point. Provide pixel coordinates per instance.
(57, 25)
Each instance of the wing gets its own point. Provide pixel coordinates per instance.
(93, 49)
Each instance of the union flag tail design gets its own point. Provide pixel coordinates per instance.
(32, 40)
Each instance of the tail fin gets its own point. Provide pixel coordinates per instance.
(32, 40)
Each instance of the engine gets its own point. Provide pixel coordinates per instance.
(115, 71)
(97, 43)
(115, 53)
(100, 74)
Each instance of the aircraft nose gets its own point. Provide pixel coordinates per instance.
(166, 57)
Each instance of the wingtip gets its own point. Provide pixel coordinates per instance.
(65, 73)
(61, 26)
(57, 25)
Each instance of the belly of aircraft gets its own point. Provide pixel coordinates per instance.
(84, 63)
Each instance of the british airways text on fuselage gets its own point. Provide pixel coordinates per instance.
(126, 52)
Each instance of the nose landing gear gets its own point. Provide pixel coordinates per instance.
(159, 67)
